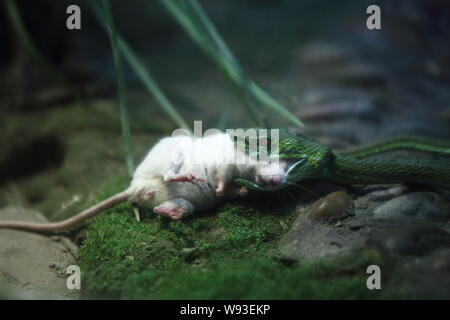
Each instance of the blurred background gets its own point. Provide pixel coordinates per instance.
(62, 134)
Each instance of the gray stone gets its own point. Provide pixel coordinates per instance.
(416, 206)
(416, 240)
(317, 240)
(358, 223)
(33, 266)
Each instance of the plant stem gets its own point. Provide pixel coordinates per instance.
(120, 87)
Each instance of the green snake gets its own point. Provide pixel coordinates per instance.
(312, 160)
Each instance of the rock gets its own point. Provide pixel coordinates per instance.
(417, 240)
(357, 224)
(416, 206)
(314, 240)
(446, 226)
(32, 265)
(442, 264)
(426, 277)
(387, 193)
(334, 204)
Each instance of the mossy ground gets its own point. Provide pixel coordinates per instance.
(216, 255)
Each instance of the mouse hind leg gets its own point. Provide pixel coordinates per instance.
(175, 209)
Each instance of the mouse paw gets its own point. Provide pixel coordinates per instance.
(175, 209)
(188, 177)
(169, 211)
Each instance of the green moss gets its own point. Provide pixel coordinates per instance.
(217, 255)
(259, 278)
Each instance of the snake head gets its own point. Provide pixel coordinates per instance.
(305, 158)
(294, 158)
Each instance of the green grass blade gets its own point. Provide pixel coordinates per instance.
(150, 84)
(190, 15)
(255, 91)
(270, 102)
(184, 14)
(143, 73)
(120, 87)
(178, 12)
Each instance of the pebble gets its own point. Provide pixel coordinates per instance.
(417, 207)
(334, 204)
(357, 224)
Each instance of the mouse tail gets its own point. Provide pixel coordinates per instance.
(68, 223)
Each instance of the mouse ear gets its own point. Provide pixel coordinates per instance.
(150, 193)
(142, 195)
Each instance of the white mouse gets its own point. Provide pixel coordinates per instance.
(181, 175)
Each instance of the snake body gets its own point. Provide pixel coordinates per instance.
(420, 144)
(313, 160)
